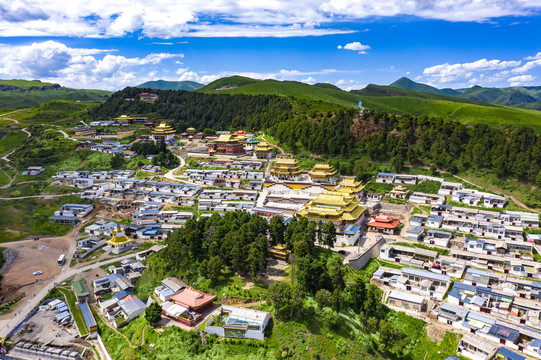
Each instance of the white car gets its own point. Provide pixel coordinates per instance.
(38, 272)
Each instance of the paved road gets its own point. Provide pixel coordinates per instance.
(43, 196)
(66, 136)
(7, 325)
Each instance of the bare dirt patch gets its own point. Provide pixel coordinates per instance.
(436, 332)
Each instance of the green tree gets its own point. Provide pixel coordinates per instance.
(279, 295)
(336, 273)
(117, 160)
(387, 335)
(323, 299)
(153, 313)
(277, 230)
(329, 234)
(357, 293)
(214, 268)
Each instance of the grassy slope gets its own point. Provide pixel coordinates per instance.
(283, 88)
(406, 101)
(22, 93)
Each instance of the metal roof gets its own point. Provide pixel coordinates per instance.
(406, 296)
(425, 274)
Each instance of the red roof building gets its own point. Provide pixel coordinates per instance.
(193, 300)
(384, 224)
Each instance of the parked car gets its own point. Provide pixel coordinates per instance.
(134, 248)
(36, 238)
(37, 272)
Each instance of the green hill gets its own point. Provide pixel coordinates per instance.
(405, 83)
(315, 93)
(24, 93)
(396, 100)
(522, 96)
(171, 85)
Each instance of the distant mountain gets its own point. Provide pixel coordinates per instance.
(402, 101)
(527, 97)
(408, 84)
(326, 93)
(22, 93)
(171, 85)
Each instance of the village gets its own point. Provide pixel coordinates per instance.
(458, 256)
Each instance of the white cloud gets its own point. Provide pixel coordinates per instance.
(309, 80)
(235, 18)
(75, 67)
(458, 73)
(355, 46)
(527, 66)
(521, 80)
(349, 84)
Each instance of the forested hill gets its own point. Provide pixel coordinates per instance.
(22, 93)
(294, 125)
(193, 109)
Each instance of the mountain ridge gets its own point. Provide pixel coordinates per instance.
(171, 85)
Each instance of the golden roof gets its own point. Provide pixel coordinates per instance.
(190, 129)
(286, 166)
(163, 129)
(263, 146)
(123, 117)
(349, 185)
(322, 171)
(119, 237)
(334, 206)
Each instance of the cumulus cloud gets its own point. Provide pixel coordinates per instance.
(217, 18)
(17, 11)
(456, 73)
(355, 46)
(483, 72)
(349, 84)
(521, 80)
(76, 67)
(309, 80)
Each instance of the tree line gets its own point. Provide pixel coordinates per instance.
(507, 152)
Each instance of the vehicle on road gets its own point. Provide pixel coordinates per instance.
(134, 248)
(36, 238)
(37, 272)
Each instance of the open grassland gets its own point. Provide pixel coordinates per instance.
(23, 93)
(494, 115)
(10, 139)
(57, 112)
(22, 218)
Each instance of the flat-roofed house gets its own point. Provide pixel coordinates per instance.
(385, 177)
(452, 315)
(506, 354)
(448, 188)
(241, 323)
(427, 199)
(476, 348)
(494, 201)
(407, 301)
(405, 179)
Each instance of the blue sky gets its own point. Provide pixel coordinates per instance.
(350, 43)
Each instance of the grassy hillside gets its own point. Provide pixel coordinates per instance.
(395, 100)
(522, 96)
(24, 93)
(316, 93)
(171, 85)
(405, 83)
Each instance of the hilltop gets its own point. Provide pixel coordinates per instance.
(521, 96)
(401, 101)
(171, 85)
(314, 93)
(23, 93)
